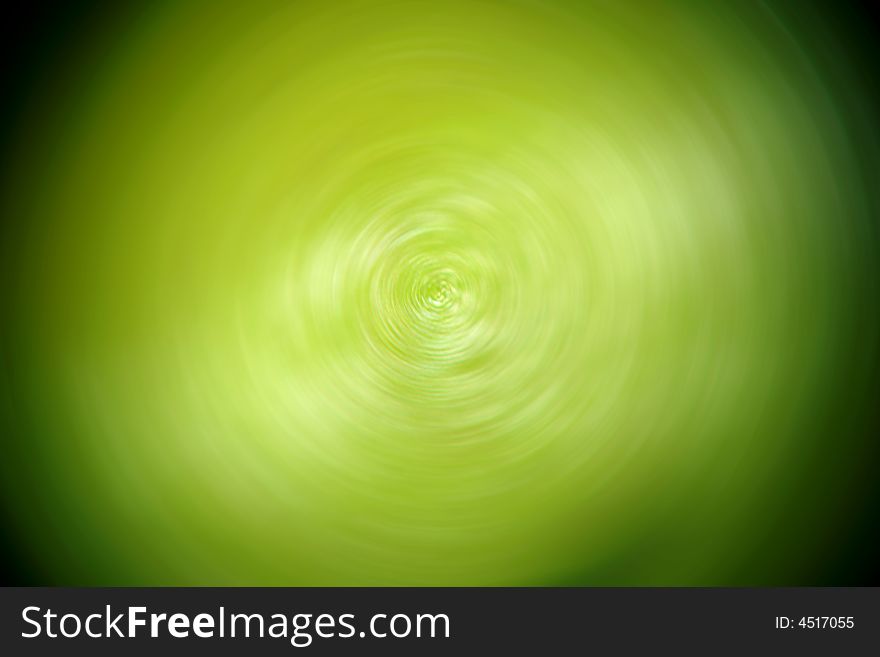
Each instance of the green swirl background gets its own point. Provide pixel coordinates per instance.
(446, 293)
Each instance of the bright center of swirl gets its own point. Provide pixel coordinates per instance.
(439, 294)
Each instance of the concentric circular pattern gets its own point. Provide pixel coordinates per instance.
(443, 293)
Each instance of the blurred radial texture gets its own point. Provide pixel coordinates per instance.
(480, 293)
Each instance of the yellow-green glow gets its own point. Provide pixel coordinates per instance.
(438, 293)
